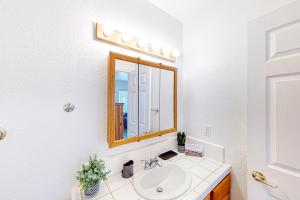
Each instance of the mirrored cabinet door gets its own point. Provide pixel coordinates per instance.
(144, 99)
(155, 100)
(166, 99)
(149, 102)
(126, 99)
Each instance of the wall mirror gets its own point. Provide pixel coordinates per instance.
(142, 99)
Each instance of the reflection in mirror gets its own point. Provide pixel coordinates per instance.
(149, 80)
(126, 99)
(156, 99)
(166, 99)
(142, 100)
(155, 102)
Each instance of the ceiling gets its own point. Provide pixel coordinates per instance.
(190, 10)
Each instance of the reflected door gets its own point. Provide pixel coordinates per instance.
(156, 99)
(133, 103)
(166, 99)
(155, 102)
(144, 99)
(126, 94)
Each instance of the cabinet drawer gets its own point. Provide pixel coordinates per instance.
(222, 190)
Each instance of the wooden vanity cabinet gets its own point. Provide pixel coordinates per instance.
(221, 191)
(207, 197)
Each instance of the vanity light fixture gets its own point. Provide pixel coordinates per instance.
(108, 30)
(142, 43)
(165, 50)
(154, 48)
(175, 53)
(108, 34)
(126, 37)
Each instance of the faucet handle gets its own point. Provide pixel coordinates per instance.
(159, 163)
(156, 161)
(147, 162)
(154, 158)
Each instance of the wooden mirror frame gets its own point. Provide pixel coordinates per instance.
(111, 100)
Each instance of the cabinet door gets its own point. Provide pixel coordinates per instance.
(207, 197)
(222, 191)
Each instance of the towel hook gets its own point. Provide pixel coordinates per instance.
(2, 133)
(69, 107)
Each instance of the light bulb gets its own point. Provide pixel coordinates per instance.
(108, 30)
(142, 43)
(126, 37)
(165, 50)
(175, 53)
(154, 48)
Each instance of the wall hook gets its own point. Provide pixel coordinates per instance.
(69, 107)
(2, 133)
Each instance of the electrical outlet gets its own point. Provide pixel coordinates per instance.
(207, 131)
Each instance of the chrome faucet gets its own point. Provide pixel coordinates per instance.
(153, 162)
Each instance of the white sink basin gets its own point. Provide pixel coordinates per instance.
(162, 183)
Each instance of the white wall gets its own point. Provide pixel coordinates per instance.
(214, 89)
(48, 57)
(215, 45)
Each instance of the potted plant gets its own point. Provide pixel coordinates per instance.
(181, 142)
(91, 174)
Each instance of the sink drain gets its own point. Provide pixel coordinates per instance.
(159, 189)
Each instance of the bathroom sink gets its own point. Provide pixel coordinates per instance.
(162, 183)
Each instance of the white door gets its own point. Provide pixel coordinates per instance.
(132, 114)
(155, 99)
(273, 119)
(166, 99)
(144, 99)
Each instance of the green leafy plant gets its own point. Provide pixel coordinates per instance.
(181, 138)
(92, 172)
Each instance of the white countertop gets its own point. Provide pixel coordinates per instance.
(206, 173)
